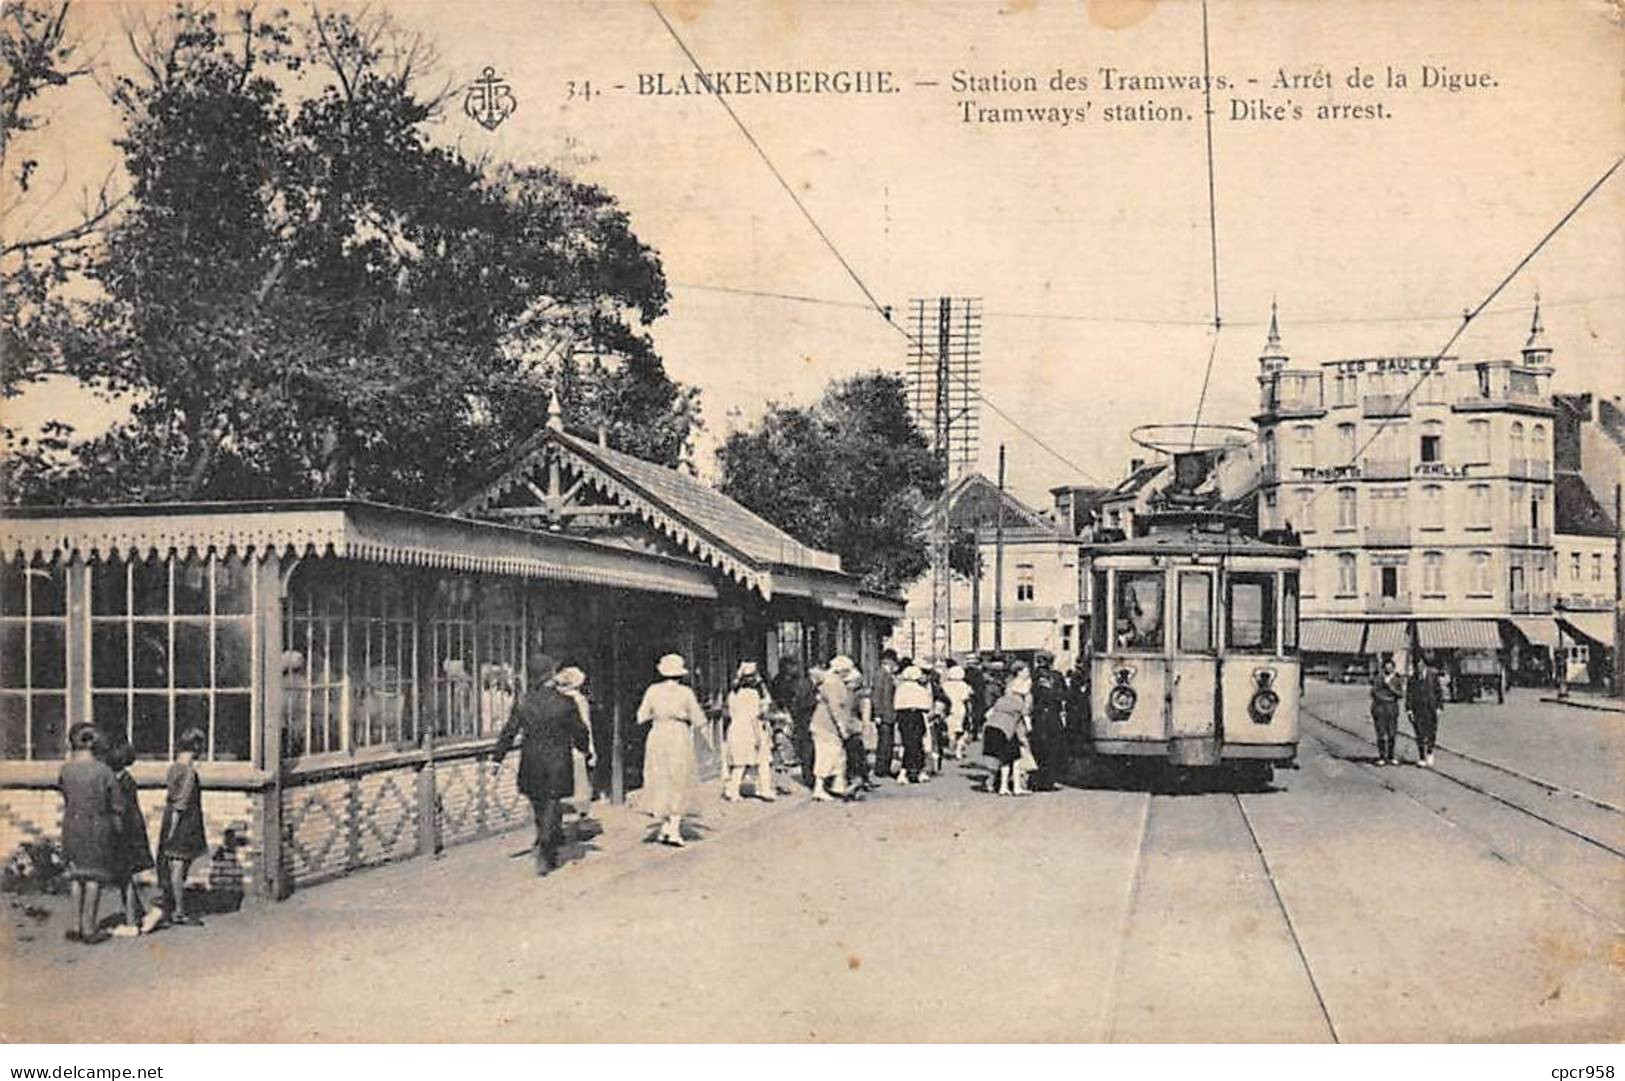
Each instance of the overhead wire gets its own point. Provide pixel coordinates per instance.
(882, 310)
(1212, 228)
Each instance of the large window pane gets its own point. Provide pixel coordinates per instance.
(46, 658)
(1195, 612)
(149, 728)
(192, 587)
(111, 713)
(13, 725)
(231, 653)
(191, 654)
(108, 588)
(150, 586)
(13, 589)
(232, 593)
(109, 657)
(191, 711)
(233, 735)
(49, 585)
(1139, 610)
(14, 654)
(1289, 612)
(151, 655)
(50, 726)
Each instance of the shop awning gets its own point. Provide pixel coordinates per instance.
(1330, 636)
(1597, 626)
(1386, 638)
(1458, 634)
(1539, 631)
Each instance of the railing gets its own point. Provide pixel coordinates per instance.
(1585, 602)
(1388, 536)
(1518, 467)
(1398, 603)
(1520, 600)
(1518, 534)
(1385, 405)
(1539, 469)
(1386, 469)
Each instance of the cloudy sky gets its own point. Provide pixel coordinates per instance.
(1088, 243)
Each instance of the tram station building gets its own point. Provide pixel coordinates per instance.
(1428, 518)
(351, 662)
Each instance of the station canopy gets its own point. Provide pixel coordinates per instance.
(1458, 634)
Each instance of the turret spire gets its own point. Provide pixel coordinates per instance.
(555, 412)
(1537, 350)
(1274, 357)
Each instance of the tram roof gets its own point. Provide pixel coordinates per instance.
(1190, 541)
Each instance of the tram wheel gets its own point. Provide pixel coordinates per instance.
(1254, 776)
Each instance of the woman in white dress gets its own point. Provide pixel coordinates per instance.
(570, 683)
(672, 713)
(750, 738)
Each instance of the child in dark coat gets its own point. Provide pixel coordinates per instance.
(180, 838)
(91, 812)
(132, 852)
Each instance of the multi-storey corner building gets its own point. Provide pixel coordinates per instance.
(1422, 489)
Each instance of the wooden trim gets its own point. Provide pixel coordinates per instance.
(269, 590)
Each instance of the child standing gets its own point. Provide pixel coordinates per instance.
(132, 852)
(91, 808)
(180, 838)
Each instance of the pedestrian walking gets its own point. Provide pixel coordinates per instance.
(1387, 691)
(1003, 734)
(832, 723)
(1048, 704)
(673, 714)
(1426, 701)
(92, 809)
(180, 834)
(572, 683)
(859, 741)
(132, 851)
(547, 724)
(883, 697)
(797, 693)
(750, 736)
(911, 704)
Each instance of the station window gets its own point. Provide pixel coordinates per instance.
(1347, 508)
(1251, 612)
(33, 661)
(1346, 584)
(1026, 586)
(1195, 612)
(1432, 441)
(1139, 610)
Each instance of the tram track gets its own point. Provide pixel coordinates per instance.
(1478, 836)
(1497, 797)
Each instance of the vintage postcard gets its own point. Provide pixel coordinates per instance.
(710, 521)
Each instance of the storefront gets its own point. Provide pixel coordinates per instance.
(351, 663)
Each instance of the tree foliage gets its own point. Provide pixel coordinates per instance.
(851, 474)
(307, 295)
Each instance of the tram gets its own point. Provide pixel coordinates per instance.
(1194, 636)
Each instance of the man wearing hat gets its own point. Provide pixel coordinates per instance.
(548, 725)
(1049, 733)
(832, 722)
(913, 702)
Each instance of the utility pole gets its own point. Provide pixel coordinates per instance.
(976, 591)
(998, 563)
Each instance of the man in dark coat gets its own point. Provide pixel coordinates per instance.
(794, 691)
(548, 725)
(1049, 733)
(1426, 700)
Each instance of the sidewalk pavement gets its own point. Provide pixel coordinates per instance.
(614, 841)
(1587, 700)
(1579, 749)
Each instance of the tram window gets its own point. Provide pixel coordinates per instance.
(1098, 623)
(1252, 613)
(1289, 612)
(1139, 610)
(1195, 612)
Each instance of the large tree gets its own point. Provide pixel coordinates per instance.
(851, 474)
(307, 295)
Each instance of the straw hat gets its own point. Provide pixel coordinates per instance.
(746, 668)
(672, 666)
(570, 679)
(954, 672)
(841, 665)
(912, 673)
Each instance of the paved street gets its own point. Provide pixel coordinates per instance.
(1351, 903)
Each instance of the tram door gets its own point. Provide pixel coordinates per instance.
(1192, 728)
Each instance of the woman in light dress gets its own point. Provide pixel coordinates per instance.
(750, 736)
(672, 713)
(571, 682)
(958, 692)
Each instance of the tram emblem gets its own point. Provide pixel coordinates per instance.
(1121, 699)
(489, 100)
(1265, 701)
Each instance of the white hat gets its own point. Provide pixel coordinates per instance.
(746, 668)
(954, 672)
(912, 673)
(570, 678)
(841, 664)
(672, 666)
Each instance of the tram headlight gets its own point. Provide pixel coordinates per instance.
(1121, 699)
(1265, 701)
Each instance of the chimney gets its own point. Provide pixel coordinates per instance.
(603, 436)
(1135, 465)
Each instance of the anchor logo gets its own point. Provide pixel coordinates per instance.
(489, 100)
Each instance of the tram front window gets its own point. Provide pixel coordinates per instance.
(1195, 612)
(1289, 612)
(1099, 624)
(1139, 611)
(1252, 613)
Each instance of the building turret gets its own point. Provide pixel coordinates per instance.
(1537, 351)
(1273, 358)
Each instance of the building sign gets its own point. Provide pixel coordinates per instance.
(1386, 364)
(1442, 469)
(1350, 471)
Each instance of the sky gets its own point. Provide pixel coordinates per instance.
(1089, 244)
